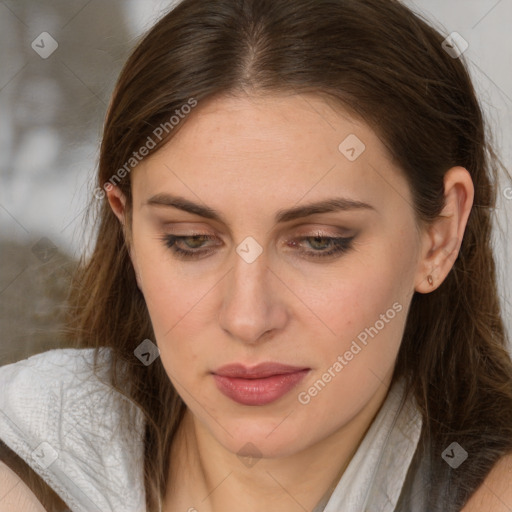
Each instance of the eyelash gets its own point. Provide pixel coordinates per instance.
(341, 245)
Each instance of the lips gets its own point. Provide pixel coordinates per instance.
(258, 385)
(260, 371)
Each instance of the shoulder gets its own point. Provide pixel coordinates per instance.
(495, 493)
(62, 361)
(16, 495)
(64, 419)
(35, 389)
(49, 367)
(60, 395)
(22, 484)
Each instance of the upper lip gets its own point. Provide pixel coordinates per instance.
(259, 371)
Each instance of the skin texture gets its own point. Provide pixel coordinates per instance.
(495, 494)
(249, 157)
(15, 494)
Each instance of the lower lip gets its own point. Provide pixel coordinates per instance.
(258, 391)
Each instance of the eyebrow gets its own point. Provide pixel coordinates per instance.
(330, 205)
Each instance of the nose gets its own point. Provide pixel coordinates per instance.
(252, 306)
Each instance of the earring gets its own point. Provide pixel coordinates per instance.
(430, 280)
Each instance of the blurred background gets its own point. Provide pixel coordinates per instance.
(59, 61)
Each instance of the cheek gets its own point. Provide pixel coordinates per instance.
(172, 299)
(172, 307)
(177, 308)
(365, 309)
(367, 318)
(367, 314)
(371, 291)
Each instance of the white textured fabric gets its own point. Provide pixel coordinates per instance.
(60, 418)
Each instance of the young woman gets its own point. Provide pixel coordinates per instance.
(292, 300)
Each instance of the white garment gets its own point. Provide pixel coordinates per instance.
(376, 474)
(54, 398)
(60, 418)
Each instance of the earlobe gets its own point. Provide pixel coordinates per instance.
(438, 262)
(443, 238)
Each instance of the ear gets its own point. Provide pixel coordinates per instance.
(117, 201)
(443, 237)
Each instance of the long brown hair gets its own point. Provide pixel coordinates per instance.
(385, 65)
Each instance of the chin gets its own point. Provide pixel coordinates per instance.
(261, 439)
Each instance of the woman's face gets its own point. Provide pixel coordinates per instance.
(267, 276)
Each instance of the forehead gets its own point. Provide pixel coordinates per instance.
(270, 148)
(287, 126)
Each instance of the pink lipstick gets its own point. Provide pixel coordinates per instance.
(258, 385)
